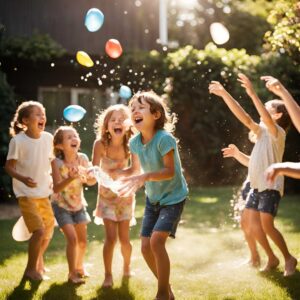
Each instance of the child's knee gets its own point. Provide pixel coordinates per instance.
(39, 233)
(145, 247)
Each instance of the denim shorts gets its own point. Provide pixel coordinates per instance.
(245, 190)
(266, 201)
(64, 216)
(161, 218)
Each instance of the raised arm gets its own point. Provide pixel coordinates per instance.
(217, 89)
(261, 109)
(276, 87)
(233, 151)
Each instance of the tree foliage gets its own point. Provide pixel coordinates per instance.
(285, 34)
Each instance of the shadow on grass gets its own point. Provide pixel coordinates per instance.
(290, 284)
(121, 293)
(65, 290)
(25, 290)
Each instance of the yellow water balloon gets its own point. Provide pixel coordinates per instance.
(84, 59)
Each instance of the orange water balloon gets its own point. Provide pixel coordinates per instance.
(113, 48)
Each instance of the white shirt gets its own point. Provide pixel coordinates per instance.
(267, 150)
(33, 159)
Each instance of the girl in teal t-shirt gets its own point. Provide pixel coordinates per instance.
(165, 185)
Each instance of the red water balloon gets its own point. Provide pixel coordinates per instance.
(113, 48)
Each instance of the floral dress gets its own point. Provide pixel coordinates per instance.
(71, 198)
(109, 205)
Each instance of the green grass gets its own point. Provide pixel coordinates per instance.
(206, 258)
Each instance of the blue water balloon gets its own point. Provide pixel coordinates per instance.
(74, 113)
(125, 92)
(94, 19)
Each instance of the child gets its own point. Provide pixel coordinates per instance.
(68, 202)
(28, 163)
(275, 86)
(233, 151)
(111, 153)
(166, 188)
(269, 147)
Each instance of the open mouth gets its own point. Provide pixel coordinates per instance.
(138, 120)
(74, 145)
(41, 124)
(118, 130)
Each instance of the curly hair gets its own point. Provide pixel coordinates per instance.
(23, 111)
(101, 126)
(167, 119)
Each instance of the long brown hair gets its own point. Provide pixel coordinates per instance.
(167, 119)
(101, 126)
(23, 111)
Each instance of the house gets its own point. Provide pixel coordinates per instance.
(63, 81)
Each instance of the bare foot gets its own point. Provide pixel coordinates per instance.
(108, 281)
(83, 273)
(75, 279)
(128, 274)
(271, 265)
(33, 275)
(171, 295)
(290, 266)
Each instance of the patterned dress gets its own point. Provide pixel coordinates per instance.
(71, 197)
(109, 205)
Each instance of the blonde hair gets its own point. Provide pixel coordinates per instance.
(101, 126)
(58, 138)
(167, 119)
(23, 111)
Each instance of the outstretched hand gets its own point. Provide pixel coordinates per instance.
(246, 84)
(271, 173)
(231, 151)
(130, 185)
(273, 84)
(216, 88)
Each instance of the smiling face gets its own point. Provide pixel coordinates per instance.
(36, 121)
(141, 115)
(117, 124)
(70, 141)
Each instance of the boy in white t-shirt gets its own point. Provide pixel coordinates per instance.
(29, 164)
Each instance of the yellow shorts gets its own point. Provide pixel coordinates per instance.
(37, 214)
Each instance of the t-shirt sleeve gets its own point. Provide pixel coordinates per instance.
(132, 146)
(13, 150)
(166, 144)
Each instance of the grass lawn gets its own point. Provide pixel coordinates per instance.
(206, 258)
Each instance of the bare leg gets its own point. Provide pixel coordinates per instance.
(269, 228)
(150, 260)
(40, 263)
(71, 252)
(257, 229)
(162, 261)
(108, 250)
(81, 231)
(246, 227)
(126, 248)
(34, 246)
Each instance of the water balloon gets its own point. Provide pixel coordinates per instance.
(94, 19)
(219, 33)
(125, 92)
(20, 231)
(113, 48)
(74, 113)
(84, 59)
